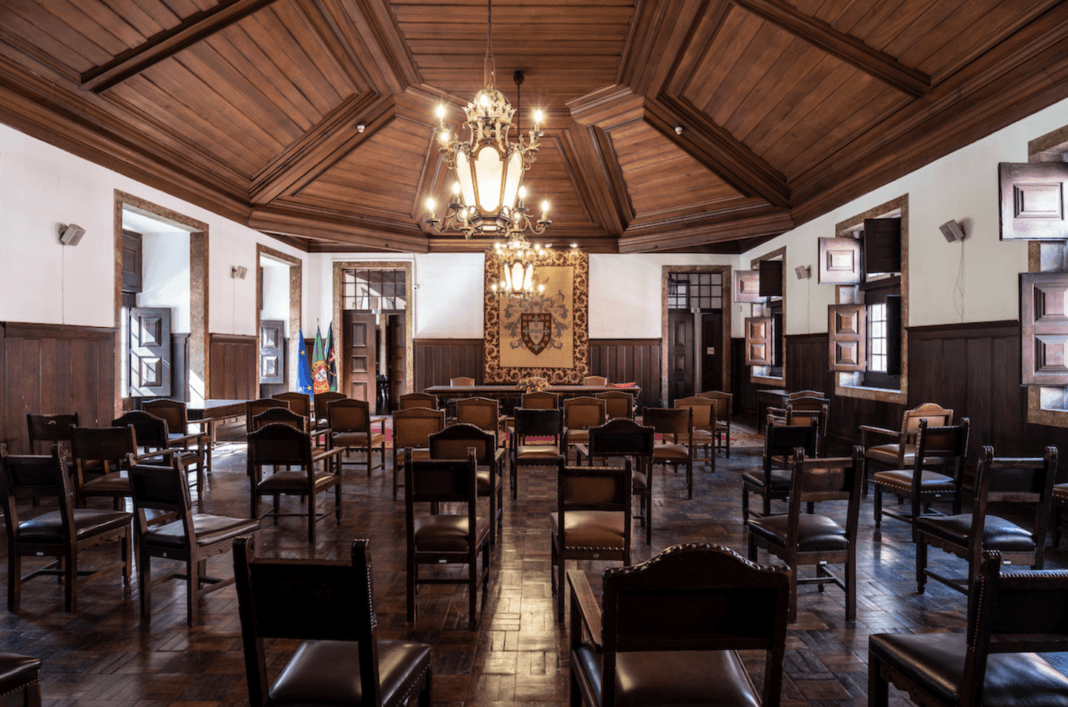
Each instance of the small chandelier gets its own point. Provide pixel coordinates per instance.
(488, 196)
(518, 258)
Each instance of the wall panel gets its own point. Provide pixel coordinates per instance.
(437, 361)
(627, 361)
(233, 367)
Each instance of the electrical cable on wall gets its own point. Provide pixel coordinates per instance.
(958, 287)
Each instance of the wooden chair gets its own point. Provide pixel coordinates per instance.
(322, 404)
(617, 404)
(545, 429)
(153, 435)
(283, 416)
(704, 425)
(349, 422)
(453, 442)
(483, 413)
(1010, 618)
(936, 473)
(1018, 481)
(20, 679)
(62, 533)
(176, 413)
(899, 453)
(461, 381)
(799, 538)
(803, 411)
(300, 403)
(592, 519)
(1060, 501)
(599, 381)
(773, 483)
(675, 427)
(255, 407)
(108, 450)
(281, 445)
(329, 605)
(417, 400)
(47, 430)
(580, 414)
(412, 428)
(540, 400)
(445, 538)
(724, 404)
(191, 538)
(627, 439)
(655, 641)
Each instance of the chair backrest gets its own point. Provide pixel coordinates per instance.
(152, 431)
(175, 412)
(808, 411)
(418, 400)
(540, 400)
(584, 412)
(162, 488)
(934, 414)
(1019, 612)
(440, 481)
(595, 488)
(323, 400)
(300, 403)
(278, 444)
(1019, 480)
(669, 421)
(49, 429)
(801, 394)
(113, 447)
(835, 479)
(942, 449)
(349, 416)
(413, 427)
(454, 441)
(282, 415)
(621, 437)
(703, 409)
(696, 598)
(305, 600)
(25, 476)
(483, 413)
(723, 401)
(783, 441)
(461, 381)
(538, 423)
(255, 407)
(595, 380)
(617, 404)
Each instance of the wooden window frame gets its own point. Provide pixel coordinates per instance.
(765, 375)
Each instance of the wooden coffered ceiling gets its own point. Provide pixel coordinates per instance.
(787, 108)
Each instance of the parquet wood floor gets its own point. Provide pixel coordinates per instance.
(104, 654)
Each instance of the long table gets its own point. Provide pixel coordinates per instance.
(510, 396)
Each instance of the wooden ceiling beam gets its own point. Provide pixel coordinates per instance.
(325, 28)
(658, 33)
(730, 227)
(844, 46)
(322, 147)
(717, 150)
(167, 43)
(350, 230)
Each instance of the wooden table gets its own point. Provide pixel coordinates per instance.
(510, 396)
(769, 397)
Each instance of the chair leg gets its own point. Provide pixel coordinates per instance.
(144, 582)
(877, 506)
(70, 592)
(793, 591)
(1056, 519)
(311, 519)
(472, 586)
(560, 565)
(878, 688)
(752, 548)
(124, 551)
(921, 565)
(337, 501)
(411, 586)
(851, 584)
(192, 615)
(576, 693)
(689, 478)
(14, 579)
(648, 517)
(745, 503)
(426, 697)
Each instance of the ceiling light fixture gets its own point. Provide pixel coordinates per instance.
(488, 197)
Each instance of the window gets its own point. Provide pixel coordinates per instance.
(695, 290)
(371, 290)
(764, 330)
(882, 304)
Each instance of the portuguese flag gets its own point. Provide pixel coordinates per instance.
(320, 377)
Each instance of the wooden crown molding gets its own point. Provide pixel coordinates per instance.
(767, 221)
(291, 220)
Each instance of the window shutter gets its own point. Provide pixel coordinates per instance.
(839, 262)
(848, 342)
(747, 286)
(1032, 201)
(893, 335)
(770, 278)
(758, 341)
(1044, 328)
(150, 351)
(882, 245)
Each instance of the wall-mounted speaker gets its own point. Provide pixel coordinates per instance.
(803, 272)
(70, 235)
(238, 272)
(952, 230)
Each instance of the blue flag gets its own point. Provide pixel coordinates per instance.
(304, 379)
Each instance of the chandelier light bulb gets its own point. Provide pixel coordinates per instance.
(456, 188)
(541, 288)
(431, 204)
(441, 110)
(544, 208)
(538, 117)
(485, 99)
(444, 136)
(522, 192)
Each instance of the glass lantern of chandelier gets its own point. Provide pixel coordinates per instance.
(518, 257)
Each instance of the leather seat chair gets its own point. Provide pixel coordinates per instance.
(329, 606)
(724, 403)
(101, 457)
(704, 425)
(412, 428)
(255, 407)
(190, 538)
(417, 400)
(176, 414)
(936, 473)
(896, 449)
(322, 404)
(453, 442)
(461, 381)
(283, 416)
(774, 483)
(580, 414)
(62, 533)
(20, 679)
(595, 381)
(799, 538)
(675, 427)
(1019, 481)
(804, 411)
(300, 403)
(992, 664)
(350, 427)
(627, 439)
(447, 538)
(46, 430)
(540, 400)
(655, 642)
(485, 414)
(592, 519)
(153, 435)
(537, 440)
(617, 404)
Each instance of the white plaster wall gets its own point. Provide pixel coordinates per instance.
(165, 276)
(276, 294)
(42, 186)
(450, 296)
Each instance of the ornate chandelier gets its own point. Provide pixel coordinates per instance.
(518, 258)
(488, 198)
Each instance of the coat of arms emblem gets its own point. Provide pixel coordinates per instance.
(536, 329)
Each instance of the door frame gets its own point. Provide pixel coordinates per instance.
(725, 289)
(296, 276)
(409, 271)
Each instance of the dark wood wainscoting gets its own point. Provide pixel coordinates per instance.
(437, 361)
(234, 374)
(52, 368)
(629, 361)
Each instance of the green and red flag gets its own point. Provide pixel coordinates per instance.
(331, 358)
(320, 382)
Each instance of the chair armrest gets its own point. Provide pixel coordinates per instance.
(158, 455)
(581, 450)
(320, 454)
(583, 601)
(193, 437)
(777, 412)
(499, 454)
(866, 430)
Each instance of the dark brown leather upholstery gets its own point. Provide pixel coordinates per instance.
(780, 479)
(902, 479)
(591, 530)
(537, 451)
(889, 453)
(814, 533)
(447, 533)
(21, 673)
(49, 528)
(538, 436)
(999, 534)
(209, 530)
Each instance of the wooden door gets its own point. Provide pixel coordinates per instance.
(132, 250)
(272, 352)
(360, 359)
(396, 349)
(150, 351)
(680, 355)
(712, 351)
